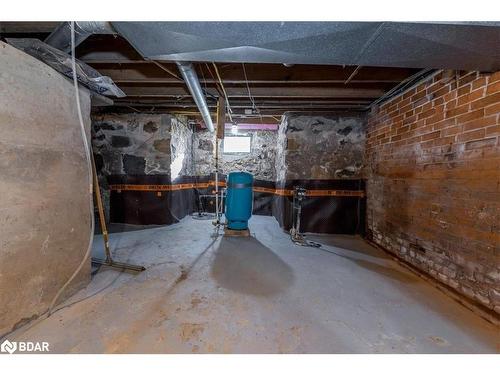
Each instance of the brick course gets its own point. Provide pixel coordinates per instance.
(433, 181)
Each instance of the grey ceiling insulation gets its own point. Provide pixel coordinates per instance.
(464, 46)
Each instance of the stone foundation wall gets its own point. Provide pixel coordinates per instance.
(260, 161)
(317, 147)
(135, 144)
(181, 148)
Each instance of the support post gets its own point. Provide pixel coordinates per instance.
(219, 134)
(221, 117)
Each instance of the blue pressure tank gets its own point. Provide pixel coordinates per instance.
(239, 200)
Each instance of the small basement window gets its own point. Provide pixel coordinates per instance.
(237, 145)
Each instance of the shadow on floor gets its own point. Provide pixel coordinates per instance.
(389, 272)
(121, 227)
(358, 246)
(245, 265)
(348, 242)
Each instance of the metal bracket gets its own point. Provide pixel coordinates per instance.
(299, 194)
(123, 266)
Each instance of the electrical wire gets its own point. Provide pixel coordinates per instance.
(229, 110)
(412, 81)
(217, 84)
(248, 88)
(167, 70)
(89, 165)
(204, 80)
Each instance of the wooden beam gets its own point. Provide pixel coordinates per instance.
(169, 71)
(221, 117)
(240, 112)
(27, 27)
(123, 69)
(258, 92)
(306, 72)
(248, 104)
(167, 81)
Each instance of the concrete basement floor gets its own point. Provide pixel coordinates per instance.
(257, 295)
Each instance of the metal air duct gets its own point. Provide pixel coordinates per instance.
(193, 84)
(60, 38)
(436, 45)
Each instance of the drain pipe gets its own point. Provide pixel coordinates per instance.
(193, 84)
(60, 38)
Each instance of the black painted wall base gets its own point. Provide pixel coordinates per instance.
(324, 214)
(330, 214)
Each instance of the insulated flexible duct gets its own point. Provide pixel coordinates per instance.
(61, 37)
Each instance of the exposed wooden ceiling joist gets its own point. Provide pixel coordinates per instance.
(266, 92)
(27, 27)
(274, 88)
(146, 70)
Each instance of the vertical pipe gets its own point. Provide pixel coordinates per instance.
(219, 134)
(217, 219)
(217, 214)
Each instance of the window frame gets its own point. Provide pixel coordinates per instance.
(224, 152)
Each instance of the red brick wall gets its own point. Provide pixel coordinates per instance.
(433, 181)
